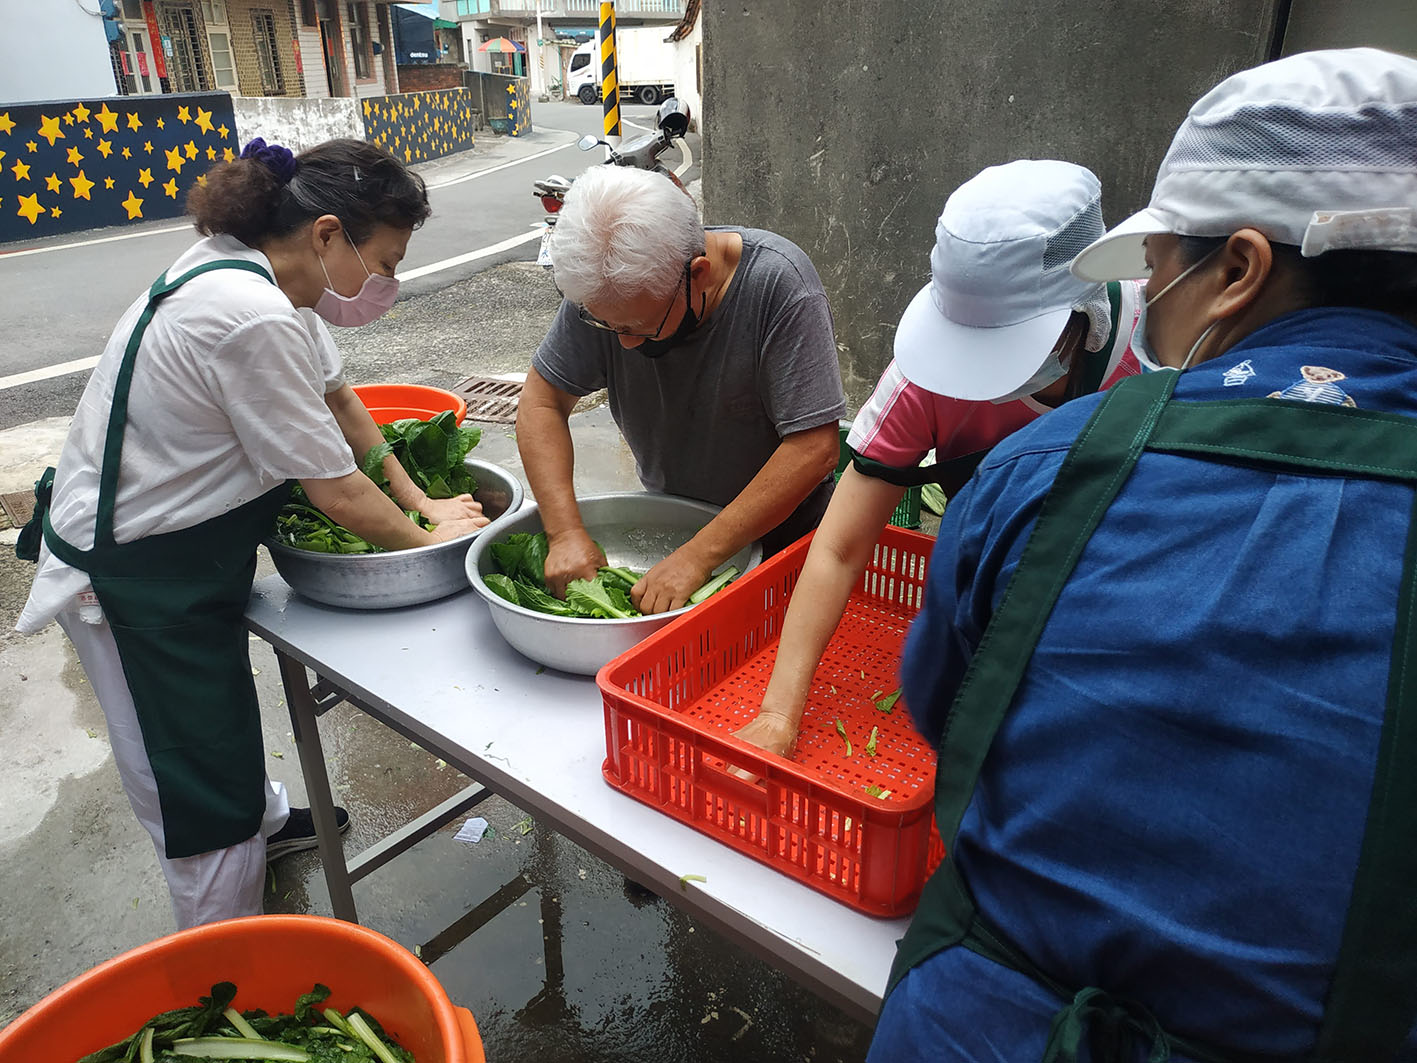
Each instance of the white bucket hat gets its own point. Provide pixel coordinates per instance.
(1000, 292)
(1318, 150)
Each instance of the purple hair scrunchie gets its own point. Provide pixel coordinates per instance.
(279, 160)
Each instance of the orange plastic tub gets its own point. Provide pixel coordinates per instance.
(273, 959)
(859, 828)
(394, 402)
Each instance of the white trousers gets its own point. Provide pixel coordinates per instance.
(221, 884)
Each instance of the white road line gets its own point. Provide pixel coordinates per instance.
(82, 365)
(6, 255)
(688, 158)
(472, 256)
(500, 166)
(79, 365)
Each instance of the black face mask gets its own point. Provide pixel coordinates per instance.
(658, 348)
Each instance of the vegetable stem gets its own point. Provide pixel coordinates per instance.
(239, 1048)
(365, 1034)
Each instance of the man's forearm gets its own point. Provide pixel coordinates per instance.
(800, 462)
(548, 456)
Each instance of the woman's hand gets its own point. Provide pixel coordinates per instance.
(447, 530)
(442, 510)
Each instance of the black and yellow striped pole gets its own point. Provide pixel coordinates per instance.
(609, 75)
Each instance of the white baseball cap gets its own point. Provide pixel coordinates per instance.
(1000, 292)
(1318, 150)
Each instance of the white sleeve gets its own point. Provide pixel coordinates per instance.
(330, 361)
(269, 378)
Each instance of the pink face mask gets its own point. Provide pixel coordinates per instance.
(376, 295)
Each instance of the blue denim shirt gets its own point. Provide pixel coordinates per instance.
(1172, 809)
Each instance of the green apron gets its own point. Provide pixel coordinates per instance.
(175, 603)
(1372, 1001)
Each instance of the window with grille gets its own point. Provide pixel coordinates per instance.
(268, 52)
(359, 41)
(308, 15)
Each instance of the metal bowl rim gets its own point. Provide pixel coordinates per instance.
(475, 554)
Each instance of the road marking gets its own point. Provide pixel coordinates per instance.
(89, 243)
(688, 158)
(500, 166)
(79, 365)
(472, 256)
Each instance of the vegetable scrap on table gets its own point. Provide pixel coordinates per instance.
(432, 454)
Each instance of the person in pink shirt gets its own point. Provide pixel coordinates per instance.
(1001, 334)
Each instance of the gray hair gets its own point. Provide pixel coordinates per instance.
(624, 233)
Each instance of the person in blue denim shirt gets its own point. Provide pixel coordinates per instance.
(1165, 643)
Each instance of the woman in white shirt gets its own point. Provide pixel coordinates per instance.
(217, 389)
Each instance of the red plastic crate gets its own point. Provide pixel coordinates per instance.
(673, 701)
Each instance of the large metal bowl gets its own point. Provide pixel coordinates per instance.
(636, 530)
(399, 577)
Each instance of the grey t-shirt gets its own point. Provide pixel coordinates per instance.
(703, 419)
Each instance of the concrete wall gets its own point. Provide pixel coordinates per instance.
(298, 124)
(845, 126)
(1390, 24)
(52, 52)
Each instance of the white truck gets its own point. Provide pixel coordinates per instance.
(644, 64)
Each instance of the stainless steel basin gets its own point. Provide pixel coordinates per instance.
(398, 577)
(636, 530)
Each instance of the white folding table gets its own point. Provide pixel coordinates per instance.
(442, 676)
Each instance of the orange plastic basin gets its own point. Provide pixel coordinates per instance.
(393, 402)
(273, 959)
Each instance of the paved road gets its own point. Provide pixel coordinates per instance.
(63, 295)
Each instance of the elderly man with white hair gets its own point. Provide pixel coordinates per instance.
(717, 349)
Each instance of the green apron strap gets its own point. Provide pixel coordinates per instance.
(1094, 471)
(122, 384)
(1372, 1002)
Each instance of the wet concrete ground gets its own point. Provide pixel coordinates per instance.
(577, 967)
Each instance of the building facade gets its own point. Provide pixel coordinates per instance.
(549, 30)
(277, 48)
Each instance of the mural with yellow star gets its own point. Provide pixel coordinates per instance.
(51, 184)
(418, 126)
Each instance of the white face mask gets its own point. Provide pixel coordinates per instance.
(1141, 347)
(376, 295)
(1053, 369)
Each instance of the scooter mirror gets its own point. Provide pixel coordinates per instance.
(673, 117)
(588, 141)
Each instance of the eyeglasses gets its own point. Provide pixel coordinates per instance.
(595, 322)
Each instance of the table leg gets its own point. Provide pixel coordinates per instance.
(317, 784)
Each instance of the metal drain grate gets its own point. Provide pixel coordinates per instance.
(16, 508)
(488, 399)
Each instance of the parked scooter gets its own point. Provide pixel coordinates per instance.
(642, 152)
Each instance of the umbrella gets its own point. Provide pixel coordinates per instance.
(501, 44)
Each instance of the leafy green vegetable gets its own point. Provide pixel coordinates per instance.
(841, 730)
(521, 562)
(714, 585)
(932, 497)
(503, 587)
(871, 742)
(215, 1030)
(593, 598)
(887, 703)
(432, 454)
